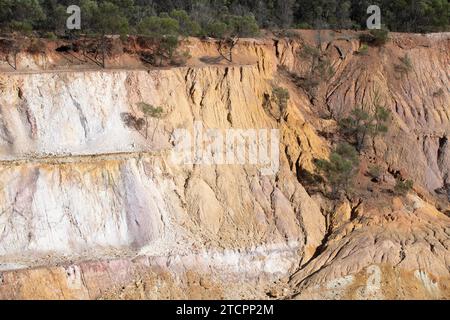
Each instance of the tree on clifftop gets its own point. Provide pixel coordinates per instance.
(108, 19)
(164, 31)
(230, 30)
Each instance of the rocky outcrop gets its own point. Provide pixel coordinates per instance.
(397, 252)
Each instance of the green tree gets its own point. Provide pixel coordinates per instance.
(55, 20)
(107, 19)
(405, 66)
(216, 29)
(242, 26)
(284, 13)
(400, 15)
(159, 27)
(360, 124)
(164, 30)
(230, 30)
(150, 111)
(89, 9)
(187, 26)
(110, 19)
(339, 169)
(22, 15)
(23, 27)
(376, 37)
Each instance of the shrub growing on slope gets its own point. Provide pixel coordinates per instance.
(402, 187)
(405, 66)
(164, 31)
(374, 172)
(361, 124)
(363, 50)
(339, 169)
(376, 37)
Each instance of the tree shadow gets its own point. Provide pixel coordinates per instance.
(211, 60)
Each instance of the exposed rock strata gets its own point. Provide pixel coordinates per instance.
(79, 185)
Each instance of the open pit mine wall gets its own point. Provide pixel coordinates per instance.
(79, 184)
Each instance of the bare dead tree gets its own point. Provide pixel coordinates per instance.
(14, 50)
(103, 50)
(83, 48)
(100, 50)
(227, 44)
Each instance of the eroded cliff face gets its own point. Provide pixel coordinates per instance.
(419, 98)
(78, 183)
(384, 247)
(91, 207)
